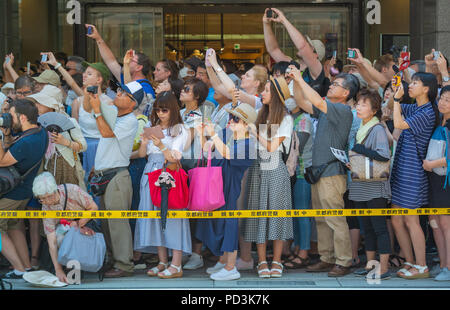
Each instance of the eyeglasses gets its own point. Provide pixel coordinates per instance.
(234, 118)
(48, 199)
(24, 93)
(120, 90)
(337, 84)
(161, 110)
(187, 89)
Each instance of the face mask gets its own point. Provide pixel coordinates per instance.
(290, 104)
(185, 72)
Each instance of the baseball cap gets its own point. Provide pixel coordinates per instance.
(48, 77)
(245, 112)
(135, 90)
(100, 67)
(318, 47)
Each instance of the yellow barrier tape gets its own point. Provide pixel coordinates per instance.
(221, 214)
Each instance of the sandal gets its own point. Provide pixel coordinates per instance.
(278, 272)
(166, 274)
(400, 261)
(406, 266)
(260, 272)
(155, 270)
(421, 274)
(291, 264)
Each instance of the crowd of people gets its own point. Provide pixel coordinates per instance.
(271, 129)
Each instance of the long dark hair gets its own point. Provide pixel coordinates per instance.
(429, 80)
(272, 113)
(167, 100)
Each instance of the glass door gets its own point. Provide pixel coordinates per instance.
(123, 28)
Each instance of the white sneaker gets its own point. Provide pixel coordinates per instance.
(195, 262)
(243, 265)
(225, 275)
(215, 269)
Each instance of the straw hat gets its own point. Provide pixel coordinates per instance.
(43, 278)
(282, 87)
(245, 112)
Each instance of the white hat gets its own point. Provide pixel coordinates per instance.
(8, 86)
(318, 47)
(47, 101)
(43, 278)
(53, 92)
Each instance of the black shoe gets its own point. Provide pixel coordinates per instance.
(384, 276)
(11, 276)
(362, 272)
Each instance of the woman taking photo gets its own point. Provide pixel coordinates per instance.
(269, 185)
(372, 142)
(440, 194)
(149, 237)
(409, 181)
(234, 152)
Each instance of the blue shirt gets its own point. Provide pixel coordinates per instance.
(148, 89)
(27, 151)
(211, 97)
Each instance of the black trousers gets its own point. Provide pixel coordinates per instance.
(352, 221)
(375, 227)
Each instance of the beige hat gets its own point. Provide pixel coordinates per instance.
(45, 97)
(318, 47)
(53, 92)
(282, 87)
(245, 112)
(43, 278)
(48, 77)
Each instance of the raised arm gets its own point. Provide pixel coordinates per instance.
(9, 67)
(362, 68)
(126, 66)
(215, 82)
(443, 69)
(311, 97)
(102, 125)
(66, 76)
(399, 122)
(305, 51)
(226, 81)
(271, 41)
(106, 53)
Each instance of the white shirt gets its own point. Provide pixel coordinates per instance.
(284, 130)
(176, 143)
(116, 152)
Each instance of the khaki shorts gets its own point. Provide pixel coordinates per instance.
(11, 205)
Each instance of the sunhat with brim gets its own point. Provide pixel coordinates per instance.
(47, 101)
(318, 47)
(100, 67)
(282, 87)
(43, 278)
(53, 92)
(48, 77)
(245, 112)
(7, 86)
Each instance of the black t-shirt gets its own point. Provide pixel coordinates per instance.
(320, 85)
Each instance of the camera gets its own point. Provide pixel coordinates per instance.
(6, 120)
(92, 89)
(351, 54)
(271, 14)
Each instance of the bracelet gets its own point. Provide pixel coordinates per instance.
(57, 66)
(397, 100)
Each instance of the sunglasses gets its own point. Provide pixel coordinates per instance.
(234, 118)
(122, 91)
(161, 110)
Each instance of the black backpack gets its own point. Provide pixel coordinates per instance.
(10, 178)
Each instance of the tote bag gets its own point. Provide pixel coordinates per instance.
(88, 250)
(438, 148)
(206, 187)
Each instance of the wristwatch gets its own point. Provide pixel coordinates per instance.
(57, 66)
(397, 100)
(97, 115)
(445, 79)
(219, 69)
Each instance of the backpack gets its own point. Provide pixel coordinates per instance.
(438, 148)
(146, 105)
(292, 157)
(10, 177)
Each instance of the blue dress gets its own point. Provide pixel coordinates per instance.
(409, 182)
(221, 235)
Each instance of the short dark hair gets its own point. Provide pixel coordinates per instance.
(200, 89)
(145, 62)
(280, 66)
(78, 61)
(230, 67)
(27, 108)
(61, 56)
(176, 85)
(383, 62)
(374, 99)
(24, 81)
(351, 83)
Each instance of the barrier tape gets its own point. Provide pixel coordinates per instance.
(220, 214)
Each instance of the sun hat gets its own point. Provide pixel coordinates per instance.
(46, 100)
(43, 278)
(48, 77)
(53, 92)
(100, 67)
(318, 47)
(245, 112)
(282, 87)
(7, 86)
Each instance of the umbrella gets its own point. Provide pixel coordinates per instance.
(166, 182)
(55, 122)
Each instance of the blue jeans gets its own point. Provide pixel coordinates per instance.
(136, 170)
(302, 225)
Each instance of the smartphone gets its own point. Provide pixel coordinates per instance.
(44, 58)
(351, 53)
(155, 131)
(8, 59)
(437, 54)
(28, 68)
(334, 54)
(405, 49)
(269, 13)
(92, 89)
(90, 30)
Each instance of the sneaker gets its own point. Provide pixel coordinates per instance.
(444, 275)
(12, 275)
(243, 265)
(435, 270)
(195, 262)
(215, 269)
(385, 276)
(140, 264)
(226, 275)
(361, 272)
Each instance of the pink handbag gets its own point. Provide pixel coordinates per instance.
(206, 188)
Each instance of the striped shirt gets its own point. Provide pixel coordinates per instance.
(409, 182)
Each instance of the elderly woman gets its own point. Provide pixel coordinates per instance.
(59, 198)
